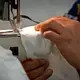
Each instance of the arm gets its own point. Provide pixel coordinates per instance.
(72, 13)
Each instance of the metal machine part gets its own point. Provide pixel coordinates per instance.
(10, 11)
(7, 8)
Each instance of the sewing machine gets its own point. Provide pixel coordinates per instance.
(10, 38)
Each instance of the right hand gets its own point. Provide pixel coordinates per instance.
(65, 33)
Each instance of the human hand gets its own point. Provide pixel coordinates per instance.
(65, 33)
(36, 69)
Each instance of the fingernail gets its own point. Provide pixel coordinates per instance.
(36, 28)
(50, 71)
(43, 61)
(46, 35)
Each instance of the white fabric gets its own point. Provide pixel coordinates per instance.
(38, 47)
(10, 67)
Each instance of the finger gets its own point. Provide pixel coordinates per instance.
(45, 75)
(33, 64)
(64, 20)
(40, 25)
(37, 72)
(53, 25)
(37, 27)
(54, 37)
(50, 24)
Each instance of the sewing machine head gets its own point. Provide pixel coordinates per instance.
(8, 10)
(7, 7)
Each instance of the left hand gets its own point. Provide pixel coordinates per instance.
(36, 69)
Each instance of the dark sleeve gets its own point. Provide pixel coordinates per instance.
(73, 10)
(72, 13)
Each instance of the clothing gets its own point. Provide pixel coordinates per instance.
(74, 12)
(10, 66)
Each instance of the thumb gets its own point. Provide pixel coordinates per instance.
(51, 35)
